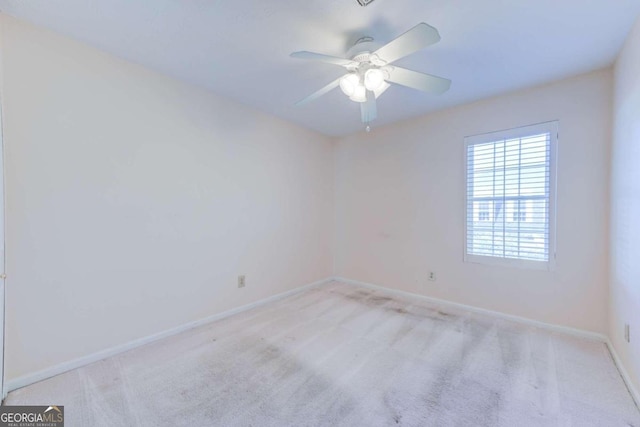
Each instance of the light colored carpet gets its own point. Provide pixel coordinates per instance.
(343, 355)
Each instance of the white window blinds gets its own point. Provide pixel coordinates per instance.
(509, 207)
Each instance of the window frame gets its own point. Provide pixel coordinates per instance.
(552, 128)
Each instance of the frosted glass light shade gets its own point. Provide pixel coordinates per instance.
(359, 94)
(349, 83)
(373, 79)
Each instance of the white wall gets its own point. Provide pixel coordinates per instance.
(134, 201)
(400, 205)
(625, 207)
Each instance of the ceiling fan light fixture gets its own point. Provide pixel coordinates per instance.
(349, 83)
(374, 79)
(360, 94)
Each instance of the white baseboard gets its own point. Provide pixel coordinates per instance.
(623, 373)
(444, 303)
(52, 371)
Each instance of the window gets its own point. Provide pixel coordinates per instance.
(510, 196)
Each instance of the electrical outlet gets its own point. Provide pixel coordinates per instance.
(627, 333)
(432, 276)
(241, 282)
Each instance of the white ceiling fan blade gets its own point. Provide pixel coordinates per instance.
(419, 81)
(328, 88)
(324, 58)
(417, 38)
(368, 109)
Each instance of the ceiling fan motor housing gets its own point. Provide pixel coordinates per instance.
(362, 48)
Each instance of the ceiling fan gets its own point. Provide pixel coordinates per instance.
(369, 71)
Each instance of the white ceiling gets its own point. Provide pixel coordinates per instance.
(240, 49)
